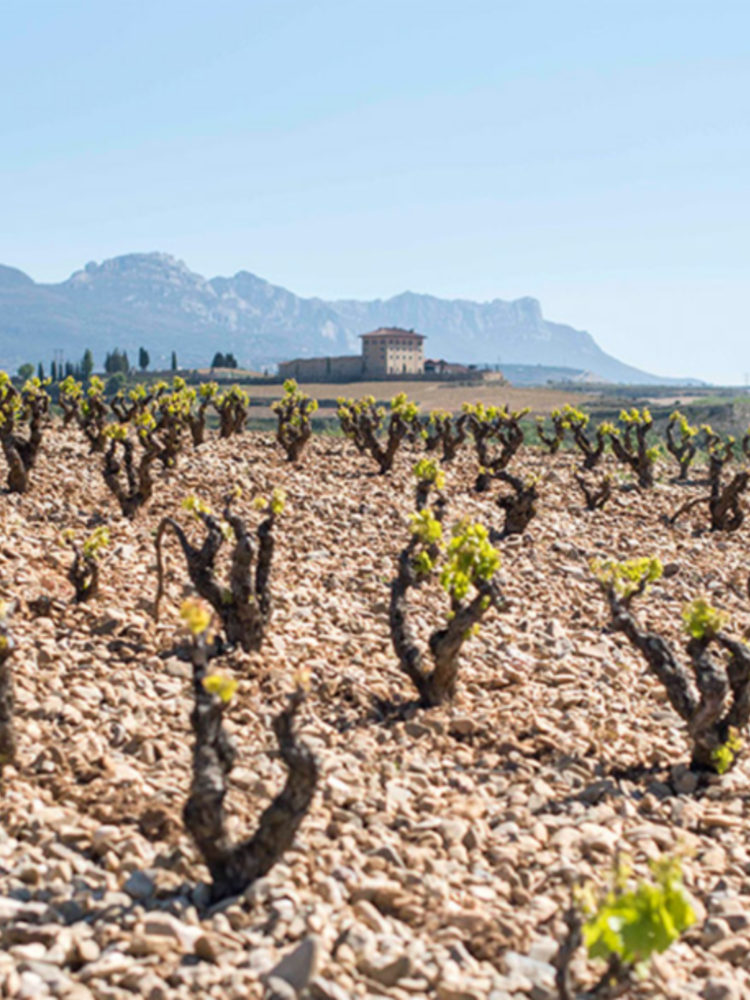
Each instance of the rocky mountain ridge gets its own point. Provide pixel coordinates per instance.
(154, 300)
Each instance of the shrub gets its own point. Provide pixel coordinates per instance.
(234, 866)
(362, 420)
(713, 695)
(23, 417)
(520, 505)
(554, 440)
(88, 409)
(69, 399)
(171, 409)
(244, 605)
(469, 564)
(596, 495)
(719, 452)
(128, 473)
(128, 406)
(592, 451)
(233, 408)
(488, 424)
(198, 410)
(724, 499)
(625, 925)
(293, 413)
(84, 570)
(429, 477)
(632, 448)
(94, 413)
(684, 448)
(355, 416)
(448, 432)
(632, 923)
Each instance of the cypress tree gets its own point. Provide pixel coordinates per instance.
(87, 365)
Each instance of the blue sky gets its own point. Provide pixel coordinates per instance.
(595, 155)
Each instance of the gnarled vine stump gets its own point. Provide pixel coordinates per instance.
(234, 866)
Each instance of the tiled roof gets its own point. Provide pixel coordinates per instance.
(392, 331)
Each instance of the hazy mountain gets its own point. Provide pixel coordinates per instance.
(156, 301)
(494, 332)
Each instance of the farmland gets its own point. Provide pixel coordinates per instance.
(444, 845)
(438, 395)
(725, 409)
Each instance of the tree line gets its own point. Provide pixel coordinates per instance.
(115, 362)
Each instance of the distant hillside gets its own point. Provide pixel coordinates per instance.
(539, 375)
(156, 301)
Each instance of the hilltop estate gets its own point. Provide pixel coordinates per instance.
(386, 351)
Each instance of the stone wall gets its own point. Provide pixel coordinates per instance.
(348, 366)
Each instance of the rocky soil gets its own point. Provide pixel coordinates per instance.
(443, 846)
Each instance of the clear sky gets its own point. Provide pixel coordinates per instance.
(594, 155)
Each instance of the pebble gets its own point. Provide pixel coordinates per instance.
(279, 989)
(300, 965)
(721, 989)
(714, 930)
(139, 885)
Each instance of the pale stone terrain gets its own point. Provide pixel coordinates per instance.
(443, 845)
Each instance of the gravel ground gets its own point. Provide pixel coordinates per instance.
(443, 845)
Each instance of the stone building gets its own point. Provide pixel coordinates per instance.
(392, 351)
(387, 351)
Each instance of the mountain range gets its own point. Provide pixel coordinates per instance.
(155, 301)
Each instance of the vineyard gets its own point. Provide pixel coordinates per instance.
(448, 706)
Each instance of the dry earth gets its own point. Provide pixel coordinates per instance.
(438, 395)
(443, 845)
